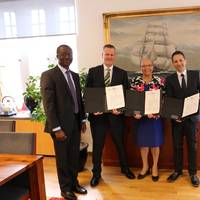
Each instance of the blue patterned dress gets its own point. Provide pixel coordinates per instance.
(149, 132)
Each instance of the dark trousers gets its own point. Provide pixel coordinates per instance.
(67, 158)
(187, 128)
(99, 126)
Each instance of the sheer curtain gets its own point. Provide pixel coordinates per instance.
(30, 32)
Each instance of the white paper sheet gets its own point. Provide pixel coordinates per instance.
(152, 102)
(115, 97)
(191, 105)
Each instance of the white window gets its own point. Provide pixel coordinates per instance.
(28, 55)
(67, 20)
(38, 22)
(10, 24)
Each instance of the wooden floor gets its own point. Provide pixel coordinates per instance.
(115, 186)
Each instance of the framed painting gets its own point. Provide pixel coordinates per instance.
(155, 34)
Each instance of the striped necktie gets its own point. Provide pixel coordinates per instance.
(107, 77)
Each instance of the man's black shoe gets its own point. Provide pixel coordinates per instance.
(194, 180)
(173, 176)
(95, 180)
(79, 189)
(69, 195)
(128, 173)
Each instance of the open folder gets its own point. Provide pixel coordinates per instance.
(95, 100)
(146, 102)
(104, 99)
(179, 108)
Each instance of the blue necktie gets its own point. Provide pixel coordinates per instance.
(73, 91)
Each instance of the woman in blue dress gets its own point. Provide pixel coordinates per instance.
(149, 134)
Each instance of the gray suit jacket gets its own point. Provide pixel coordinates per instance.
(58, 101)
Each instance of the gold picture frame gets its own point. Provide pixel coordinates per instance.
(156, 34)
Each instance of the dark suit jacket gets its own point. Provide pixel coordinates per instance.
(95, 78)
(173, 88)
(58, 101)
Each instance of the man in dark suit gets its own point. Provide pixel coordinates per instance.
(61, 95)
(180, 85)
(101, 76)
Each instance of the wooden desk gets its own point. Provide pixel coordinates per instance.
(7, 123)
(110, 156)
(22, 123)
(12, 166)
(44, 143)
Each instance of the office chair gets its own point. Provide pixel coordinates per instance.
(17, 143)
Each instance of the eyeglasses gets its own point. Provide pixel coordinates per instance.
(147, 66)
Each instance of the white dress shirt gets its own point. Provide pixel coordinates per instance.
(180, 77)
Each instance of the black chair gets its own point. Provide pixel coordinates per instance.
(17, 143)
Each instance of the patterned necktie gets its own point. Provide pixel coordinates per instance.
(73, 91)
(183, 83)
(107, 77)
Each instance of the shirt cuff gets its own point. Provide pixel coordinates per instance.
(56, 129)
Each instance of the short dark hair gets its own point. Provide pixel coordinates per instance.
(177, 53)
(63, 46)
(110, 46)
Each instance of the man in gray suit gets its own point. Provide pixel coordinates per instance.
(61, 95)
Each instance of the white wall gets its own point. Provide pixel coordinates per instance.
(90, 28)
(90, 22)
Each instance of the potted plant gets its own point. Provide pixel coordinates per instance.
(82, 76)
(33, 98)
(32, 94)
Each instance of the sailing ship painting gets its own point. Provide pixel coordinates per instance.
(155, 45)
(155, 37)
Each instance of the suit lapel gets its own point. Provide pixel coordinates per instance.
(114, 76)
(62, 78)
(101, 75)
(75, 82)
(189, 80)
(176, 81)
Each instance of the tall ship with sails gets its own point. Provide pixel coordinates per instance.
(154, 45)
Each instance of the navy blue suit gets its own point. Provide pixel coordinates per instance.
(188, 125)
(102, 123)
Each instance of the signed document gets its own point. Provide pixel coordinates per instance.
(115, 97)
(152, 102)
(180, 108)
(191, 105)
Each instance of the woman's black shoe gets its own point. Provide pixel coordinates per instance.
(141, 176)
(155, 178)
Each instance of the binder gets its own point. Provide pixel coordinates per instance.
(145, 102)
(95, 100)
